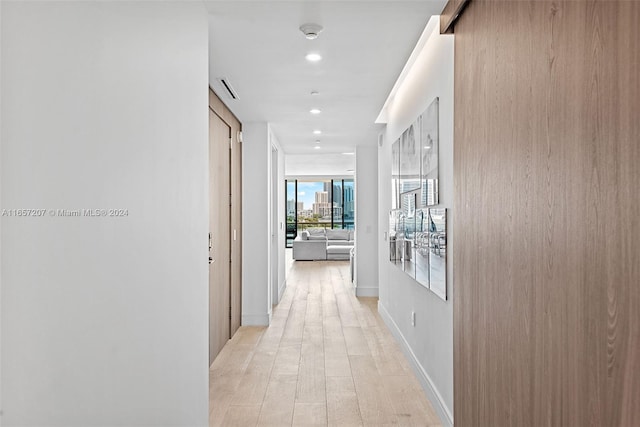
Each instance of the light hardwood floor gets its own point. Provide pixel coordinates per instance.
(326, 360)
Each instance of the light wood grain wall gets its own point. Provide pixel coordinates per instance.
(547, 202)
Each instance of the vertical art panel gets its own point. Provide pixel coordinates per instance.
(395, 237)
(395, 174)
(409, 232)
(410, 158)
(422, 247)
(438, 251)
(429, 160)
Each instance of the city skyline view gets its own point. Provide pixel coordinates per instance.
(307, 192)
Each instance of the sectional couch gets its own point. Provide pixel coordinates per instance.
(318, 244)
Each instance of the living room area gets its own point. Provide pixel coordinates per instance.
(327, 197)
(321, 217)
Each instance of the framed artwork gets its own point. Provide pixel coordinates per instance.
(395, 174)
(409, 233)
(422, 248)
(396, 237)
(437, 223)
(410, 158)
(429, 142)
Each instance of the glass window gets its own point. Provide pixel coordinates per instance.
(292, 212)
(319, 204)
(348, 200)
(337, 203)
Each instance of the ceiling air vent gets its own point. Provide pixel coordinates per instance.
(227, 86)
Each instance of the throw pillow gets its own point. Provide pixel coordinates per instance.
(316, 231)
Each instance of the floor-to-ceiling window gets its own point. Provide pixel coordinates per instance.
(323, 203)
(348, 204)
(292, 211)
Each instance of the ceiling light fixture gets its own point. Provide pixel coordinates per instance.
(314, 92)
(313, 57)
(317, 147)
(317, 141)
(348, 154)
(315, 111)
(317, 132)
(311, 31)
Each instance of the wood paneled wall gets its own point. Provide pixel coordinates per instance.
(547, 202)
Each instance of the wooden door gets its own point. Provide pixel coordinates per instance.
(225, 274)
(220, 237)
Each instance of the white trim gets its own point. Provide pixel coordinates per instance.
(366, 292)
(256, 319)
(427, 385)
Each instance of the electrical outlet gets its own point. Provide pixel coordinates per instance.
(413, 318)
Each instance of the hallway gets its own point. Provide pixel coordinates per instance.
(326, 359)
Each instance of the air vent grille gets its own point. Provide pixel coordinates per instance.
(224, 82)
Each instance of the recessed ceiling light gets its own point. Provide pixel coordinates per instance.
(317, 132)
(349, 170)
(317, 141)
(314, 92)
(348, 154)
(313, 57)
(315, 111)
(317, 147)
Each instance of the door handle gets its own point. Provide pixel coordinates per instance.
(211, 260)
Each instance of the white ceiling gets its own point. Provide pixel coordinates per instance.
(258, 47)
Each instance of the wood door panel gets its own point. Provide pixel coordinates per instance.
(219, 269)
(226, 205)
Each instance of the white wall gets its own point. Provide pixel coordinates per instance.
(256, 218)
(430, 343)
(104, 320)
(366, 198)
(258, 291)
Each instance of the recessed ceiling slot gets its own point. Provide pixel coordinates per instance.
(227, 86)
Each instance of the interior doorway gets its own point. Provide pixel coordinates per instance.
(225, 220)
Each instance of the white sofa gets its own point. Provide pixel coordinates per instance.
(318, 244)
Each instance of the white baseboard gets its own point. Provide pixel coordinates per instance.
(366, 292)
(256, 319)
(427, 385)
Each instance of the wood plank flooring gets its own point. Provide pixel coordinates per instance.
(326, 360)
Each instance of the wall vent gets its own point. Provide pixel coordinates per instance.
(224, 82)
